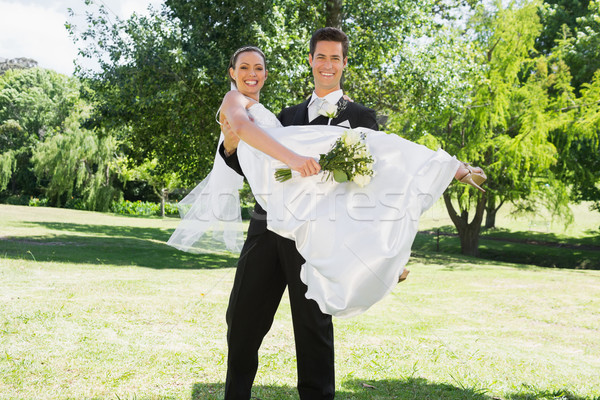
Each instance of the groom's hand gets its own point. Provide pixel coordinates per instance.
(231, 141)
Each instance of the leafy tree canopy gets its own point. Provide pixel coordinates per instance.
(33, 102)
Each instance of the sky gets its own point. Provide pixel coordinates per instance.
(36, 28)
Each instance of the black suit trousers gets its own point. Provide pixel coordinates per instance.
(268, 263)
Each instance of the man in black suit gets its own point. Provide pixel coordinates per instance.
(269, 263)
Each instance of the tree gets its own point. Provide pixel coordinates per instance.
(10, 131)
(33, 102)
(579, 144)
(476, 92)
(576, 40)
(554, 14)
(576, 19)
(77, 161)
(498, 112)
(162, 184)
(163, 76)
(333, 13)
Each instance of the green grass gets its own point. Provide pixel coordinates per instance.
(526, 239)
(97, 306)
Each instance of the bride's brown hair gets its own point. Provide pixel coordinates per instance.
(239, 51)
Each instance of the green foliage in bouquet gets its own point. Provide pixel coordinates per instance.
(348, 160)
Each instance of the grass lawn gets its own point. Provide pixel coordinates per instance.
(97, 306)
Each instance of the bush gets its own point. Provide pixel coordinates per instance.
(75, 203)
(247, 210)
(126, 207)
(35, 202)
(16, 200)
(170, 209)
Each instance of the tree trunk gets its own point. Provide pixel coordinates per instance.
(467, 231)
(333, 12)
(490, 212)
(163, 199)
(163, 195)
(490, 218)
(469, 240)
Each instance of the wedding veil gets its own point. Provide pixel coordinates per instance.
(211, 214)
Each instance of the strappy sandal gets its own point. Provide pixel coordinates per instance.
(403, 275)
(473, 178)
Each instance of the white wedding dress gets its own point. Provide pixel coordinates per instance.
(356, 241)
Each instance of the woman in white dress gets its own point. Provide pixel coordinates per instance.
(356, 240)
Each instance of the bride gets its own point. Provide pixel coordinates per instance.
(355, 240)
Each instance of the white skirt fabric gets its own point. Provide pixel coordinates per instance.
(355, 241)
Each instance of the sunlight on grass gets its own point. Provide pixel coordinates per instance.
(97, 306)
(585, 221)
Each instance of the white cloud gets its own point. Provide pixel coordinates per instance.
(33, 32)
(35, 28)
(130, 6)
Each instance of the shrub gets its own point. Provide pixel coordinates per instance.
(75, 203)
(126, 207)
(170, 209)
(16, 200)
(35, 202)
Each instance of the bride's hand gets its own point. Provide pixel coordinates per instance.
(306, 166)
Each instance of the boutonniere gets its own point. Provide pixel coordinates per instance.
(341, 105)
(328, 110)
(332, 111)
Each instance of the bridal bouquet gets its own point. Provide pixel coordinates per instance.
(348, 160)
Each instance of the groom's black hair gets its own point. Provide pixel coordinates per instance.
(329, 34)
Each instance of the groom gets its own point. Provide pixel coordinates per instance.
(269, 263)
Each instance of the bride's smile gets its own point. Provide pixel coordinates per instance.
(249, 74)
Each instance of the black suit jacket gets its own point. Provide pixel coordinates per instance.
(356, 114)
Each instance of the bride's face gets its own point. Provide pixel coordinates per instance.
(249, 73)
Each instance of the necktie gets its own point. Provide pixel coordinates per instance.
(314, 108)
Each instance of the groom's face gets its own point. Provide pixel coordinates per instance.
(327, 64)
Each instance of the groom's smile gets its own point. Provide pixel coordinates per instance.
(327, 64)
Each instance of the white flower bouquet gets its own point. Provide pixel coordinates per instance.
(348, 160)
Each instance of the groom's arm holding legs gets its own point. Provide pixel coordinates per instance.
(231, 160)
(228, 149)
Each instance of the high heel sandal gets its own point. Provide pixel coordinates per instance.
(473, 178)
(403, 275)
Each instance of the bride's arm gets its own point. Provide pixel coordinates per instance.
(234, 110)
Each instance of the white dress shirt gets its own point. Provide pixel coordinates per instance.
(332, 98)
